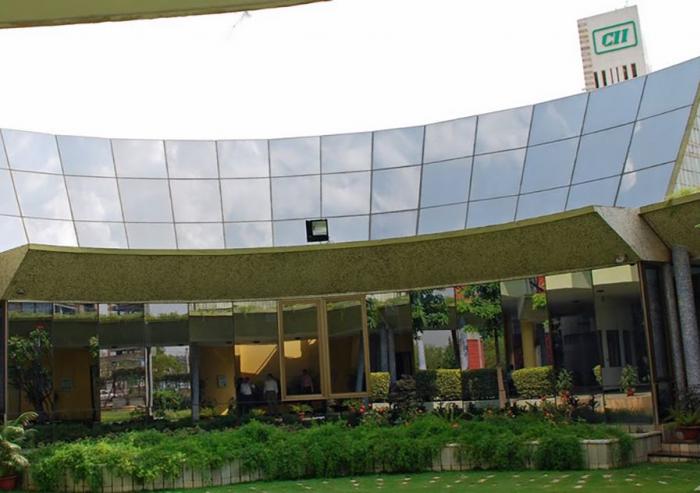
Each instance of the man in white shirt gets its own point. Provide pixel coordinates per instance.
(271, 389)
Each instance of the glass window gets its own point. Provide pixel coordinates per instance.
(248, 235)
(657, 140)
(298, 156)
(397, 147)
(354, 228)
(445, 183)
(146, 200)
(346, 194)
(644, 187)
(143, 235)
(191, 159)
(3, 158)
(243, 158)
(601, 192)
(42, 195)
(670, 88)
(31, 151)
(301, 351)
(288, 233)
(488, 212)
(296, 197)
(246, 200)
(613, 105)
(446, 218)
(503, 130)
(393, 225)
(549, 165)
(395, 189)
(47, 232)
(101, 235)
(542, 203)
(139, 158)
(86, 156)
(558, 119)
(496, 175)
(12, 233)
(193, 236)
(346, 152)
(94, 199)
(196, 200)
(602, 154)
(8, 200)
(449, 140)
(346, 346)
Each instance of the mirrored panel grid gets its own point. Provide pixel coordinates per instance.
(289, 233)
(196, 200)
(151, 235)
(146, 200)
(450, 140)
(194, 236)
(243, 158)
(101, 234)
(497, 175)
(446, 182)
(42, 195)
(8, 200)
(49, 232)
(32, 151)
(657, 140)
(3, 156)
(397, 147)
(353, 228)
(395, 189)
(296, 197)
(558, 119)
(346, 194)
(503, 130)
(297, 156)
(602, 154)
(393, 225)
(613, 105)
(489, 212)
(94, 199)
(86, 156)
(248, 235)
(191, 159)
(12, 233)
(139, 158)
(246, 200)
(541, 203)
(444, 218)
(600, 192)
(346, 152)
(683, 78)
(645, 186)
(549, 165)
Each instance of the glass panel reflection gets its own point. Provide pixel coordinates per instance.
(488, 212)
(246, 200)
(602, 154)
(12, 233)
(191, 159)
(446, 218)
(47, 232)
(196, 200)
(8, 200)
(146, 200)
(210, 235)
(346, 152)
(243, 158)
(445, 183)
(139, 158)
(288, 233)
(549, 165)
(397, 147)
(558, 119)
(541, 203)
(683, 78)
(644, 187)
(94, 199)
(3, 158)
(31, 151)
(393, 225)
(101, 235)
(244, 235)
(346, 346)
(503, 130)
(149, 235)
(613, 105)
(449, 140)
(601, 192)
(298, 156)
(657, 140)
(348, 228)
(496, 175)
(395, 189)
(86, 156)
(346, 194)
(42, 195)
(296, 197)
(301, 350)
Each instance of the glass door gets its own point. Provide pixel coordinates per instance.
(347, 347)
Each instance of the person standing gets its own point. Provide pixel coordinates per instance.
(271, 390)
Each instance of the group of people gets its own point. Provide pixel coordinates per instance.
(250, 395)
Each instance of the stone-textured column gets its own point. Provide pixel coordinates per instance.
(383, 350)
(674, 329)
(420, 349)
(4, 332)
(194, 377)
(688, 316)
(391, 353)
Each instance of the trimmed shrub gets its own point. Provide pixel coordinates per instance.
(534, 383)
(559, 452)
(479, 385)
(426, 385)
(448, 384)
(379, 386)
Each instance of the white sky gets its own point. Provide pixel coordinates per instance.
(344, 65)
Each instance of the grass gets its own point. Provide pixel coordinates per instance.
(124, 415)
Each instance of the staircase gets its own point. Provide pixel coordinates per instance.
(677, 451)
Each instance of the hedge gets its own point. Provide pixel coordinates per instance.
(379, 386)
(439, 385)
(480, 385)
(534, 383)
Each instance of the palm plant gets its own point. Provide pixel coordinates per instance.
(12, 436)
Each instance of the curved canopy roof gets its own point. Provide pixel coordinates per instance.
(617, 146)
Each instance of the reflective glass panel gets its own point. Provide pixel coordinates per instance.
(644, 187)
(299, 156)
(346, 346)
(602, 154)
(246, 200)
(395, 189)
(449, 140)
(346, 152)
(558, 119)
(245, 235)
(296, 197)
(541, 203)
(243, 158)
(196, 200)
(549, 165)
(94, 199)
(497, 174)
(146, 200)
(487, 212)
(191, 159)
(613, 105)
(346, 194)
(342, 229)
(657, 140)
(8, 201)
(287, 233)
(438, 219)
(42, 195)
(670, 88)
(301, 351)
(48, 232)
(503, 130)
(86, 156)
(139, 158)
(393, 225)
(12, 233)
(601, 192)
(210, 235)
(31, 151)
(3, 158)
(101, 235)
(398, 147)
(445, 183)
(142, 235)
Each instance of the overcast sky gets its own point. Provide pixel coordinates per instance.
(338, 66)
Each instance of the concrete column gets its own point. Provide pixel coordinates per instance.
(674, 329)
(463, 350)
(4, 332)
(527, 334)
(688, 317)
(360, 375)
(420, 349)
(383, 350)
(149, 380)
(391, 353)
(194, 376)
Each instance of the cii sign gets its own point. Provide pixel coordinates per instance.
(615, 37)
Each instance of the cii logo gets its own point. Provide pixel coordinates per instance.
(615, 37)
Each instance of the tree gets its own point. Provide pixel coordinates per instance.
(483, 303)
(30, 371)
(428, 311)
(165, 364)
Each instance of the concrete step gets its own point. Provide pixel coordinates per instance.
(680, 447)
(666, 457)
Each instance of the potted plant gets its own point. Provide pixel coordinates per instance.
(687, 422)
(629, 379)
(12, 462)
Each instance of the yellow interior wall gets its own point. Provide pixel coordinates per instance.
(527, 331)
(215, 361)
(257, 360)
